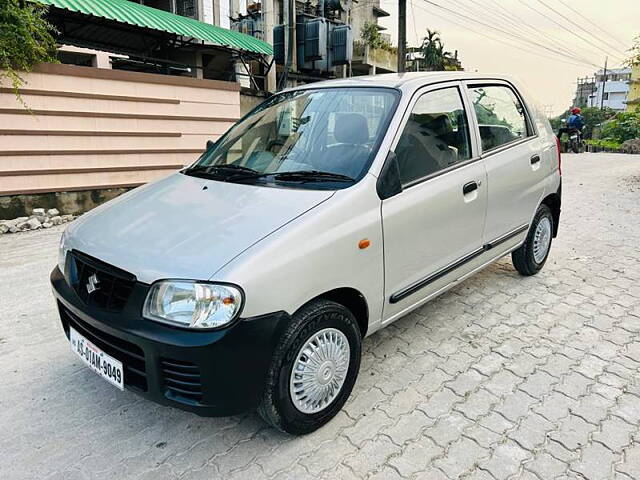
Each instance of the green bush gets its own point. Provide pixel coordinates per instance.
(624, 126)
(25, 39)
(603, 143)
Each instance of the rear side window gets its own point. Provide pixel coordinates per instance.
(501, 116)
(435, 137)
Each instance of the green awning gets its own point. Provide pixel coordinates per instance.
(135, 14)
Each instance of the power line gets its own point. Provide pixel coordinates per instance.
(577, 25)
(518, 37)
(585, 18)
(565, 27)
(511, 17)
(413, 18)
(505, 42)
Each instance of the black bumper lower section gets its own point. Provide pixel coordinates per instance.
(211, 373)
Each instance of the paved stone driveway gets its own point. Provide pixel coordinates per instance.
(503, 377)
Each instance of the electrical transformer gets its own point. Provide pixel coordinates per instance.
(315, 39)
(341, 45)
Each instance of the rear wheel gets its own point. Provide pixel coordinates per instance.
(313, 369)
(575, 146)
(532, 254)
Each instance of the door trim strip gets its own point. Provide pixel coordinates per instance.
(413, 288)
(506, 236)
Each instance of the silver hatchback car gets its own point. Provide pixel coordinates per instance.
(249, 279)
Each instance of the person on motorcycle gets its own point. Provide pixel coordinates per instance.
(575, 120)
(575, 124)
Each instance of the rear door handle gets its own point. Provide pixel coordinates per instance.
(535, 159)
(469, 187)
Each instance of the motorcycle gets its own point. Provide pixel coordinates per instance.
(574, 141)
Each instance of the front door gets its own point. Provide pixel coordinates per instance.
(434, 227)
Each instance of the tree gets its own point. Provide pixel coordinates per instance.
(634, 53)
(371, 35)
(435, 58)
(26, 39)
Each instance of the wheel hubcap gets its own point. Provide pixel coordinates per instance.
(319, 370)
(541, 240)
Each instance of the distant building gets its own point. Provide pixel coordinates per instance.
(585, 92)
(416, 63)
(633, 98)
(616, 89)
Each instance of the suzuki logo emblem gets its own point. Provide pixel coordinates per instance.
(93, 284)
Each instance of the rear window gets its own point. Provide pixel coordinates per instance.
(502, 118)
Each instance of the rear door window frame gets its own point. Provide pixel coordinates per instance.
(532, 132)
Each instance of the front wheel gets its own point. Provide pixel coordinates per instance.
(314, 368)
(532, 254)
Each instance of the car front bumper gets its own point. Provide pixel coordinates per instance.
(210, 373)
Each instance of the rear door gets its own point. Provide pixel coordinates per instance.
(433, 227)
(512, 153)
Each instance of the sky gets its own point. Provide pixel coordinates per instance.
(489, 49)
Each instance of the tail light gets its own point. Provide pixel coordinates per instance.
(559, 156)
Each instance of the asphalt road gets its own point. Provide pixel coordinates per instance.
(502, 377)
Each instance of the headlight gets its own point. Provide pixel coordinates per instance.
(62, 251)
(193, 304)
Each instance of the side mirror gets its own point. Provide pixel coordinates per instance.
(389, 183)
(210, 144)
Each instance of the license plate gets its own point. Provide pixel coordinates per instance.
(104, 365)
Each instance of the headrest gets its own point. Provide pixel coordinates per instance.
(441, 125)
(351, 128)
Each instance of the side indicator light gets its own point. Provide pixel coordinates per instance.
(364, 243)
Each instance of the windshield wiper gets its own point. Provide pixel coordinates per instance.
(313, 176)
(225, 170)
(240, 173)
(232, 167)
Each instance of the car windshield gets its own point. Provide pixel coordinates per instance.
(306, 137)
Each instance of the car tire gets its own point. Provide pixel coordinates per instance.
(531, 256)
(285, 403)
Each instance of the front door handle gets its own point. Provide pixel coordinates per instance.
(469, 187)
(535, 159)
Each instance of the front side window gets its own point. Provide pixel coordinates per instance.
(307, 137)
(501, 115)
(435, 137)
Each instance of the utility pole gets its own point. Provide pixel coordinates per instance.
(289, 11)
(268, 17)
(402, 35)
(604, 83)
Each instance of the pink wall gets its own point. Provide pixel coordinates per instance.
(92, 128)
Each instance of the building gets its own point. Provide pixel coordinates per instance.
(415, 61)
(213, 12)
(367, 60)
(611, 91)
(585, 91)
(633, 98)
(170, 37)
(328, 41)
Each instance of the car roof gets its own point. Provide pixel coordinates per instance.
(404, 81)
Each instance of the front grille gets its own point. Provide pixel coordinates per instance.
(131, 356)
(113, 286)
(182, 379)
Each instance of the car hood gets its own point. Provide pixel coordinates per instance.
(186, 227)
